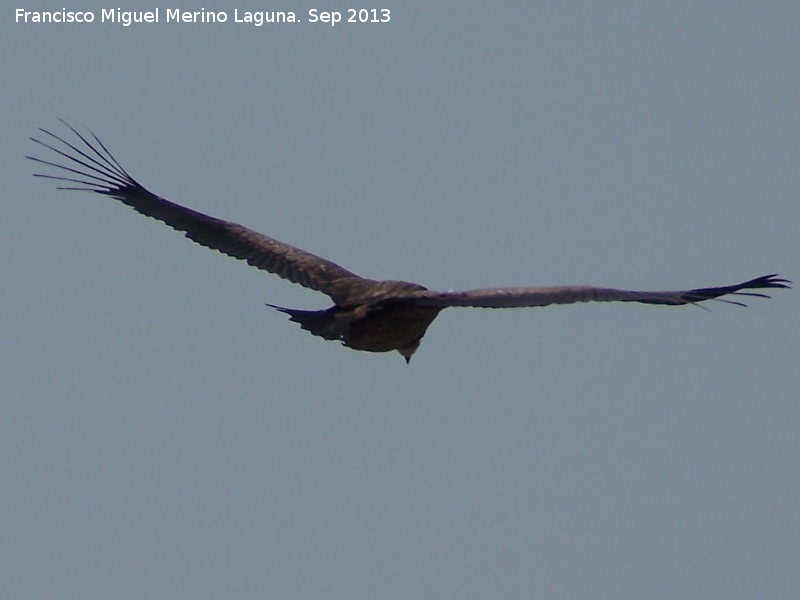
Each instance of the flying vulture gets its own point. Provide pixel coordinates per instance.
(371, 315)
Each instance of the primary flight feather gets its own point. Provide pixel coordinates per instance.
(371, 315)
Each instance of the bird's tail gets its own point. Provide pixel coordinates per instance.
(322, 323)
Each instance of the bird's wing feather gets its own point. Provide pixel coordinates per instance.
(90, 166)
(544, 296)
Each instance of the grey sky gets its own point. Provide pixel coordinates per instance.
(163, 434)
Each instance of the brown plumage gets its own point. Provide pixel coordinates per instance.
(371, 315)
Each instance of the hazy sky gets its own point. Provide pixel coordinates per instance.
(163, 434)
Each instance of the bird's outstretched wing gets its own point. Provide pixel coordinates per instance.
(543, 296)
(87, 165)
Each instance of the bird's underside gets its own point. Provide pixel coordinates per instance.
(371, 315)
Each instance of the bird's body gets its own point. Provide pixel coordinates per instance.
(382, 326)
(369, 315)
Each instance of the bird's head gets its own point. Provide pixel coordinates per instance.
(407, 351)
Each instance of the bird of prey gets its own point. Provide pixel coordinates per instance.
(370, 315)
